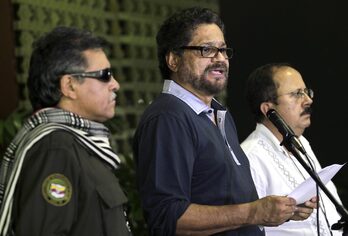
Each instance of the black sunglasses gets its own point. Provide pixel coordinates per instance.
(104, 75)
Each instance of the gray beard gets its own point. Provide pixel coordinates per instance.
(200, 83)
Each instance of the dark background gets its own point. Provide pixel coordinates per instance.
(313, 37)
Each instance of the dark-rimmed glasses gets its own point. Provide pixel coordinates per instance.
(300, 93)
(104, 75)
(211, 51)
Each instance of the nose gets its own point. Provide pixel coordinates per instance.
(219, 56)
(308, 99)
(115, 84)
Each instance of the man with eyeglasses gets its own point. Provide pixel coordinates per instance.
(193, 177)
(58, 174)
(274, 169)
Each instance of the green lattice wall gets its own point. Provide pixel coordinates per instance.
(129, 25)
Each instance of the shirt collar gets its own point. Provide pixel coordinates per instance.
(264, 131)
(197, 105)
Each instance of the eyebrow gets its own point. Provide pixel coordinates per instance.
(212, 43)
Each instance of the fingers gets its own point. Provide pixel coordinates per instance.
(275, 210)
(311, 204)
(302, 213)
(305, 210)
(314, 199)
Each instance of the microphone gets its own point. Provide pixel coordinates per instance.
(285, 130)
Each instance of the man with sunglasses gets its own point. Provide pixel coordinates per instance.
(193, 177)
(274, 169)
(58, 174)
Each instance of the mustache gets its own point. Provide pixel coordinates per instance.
(218, 65)
(307, 110)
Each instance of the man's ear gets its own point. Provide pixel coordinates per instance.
(68, 86)
(265, 107)
(173, 61)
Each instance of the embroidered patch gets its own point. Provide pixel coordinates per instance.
(57, 190)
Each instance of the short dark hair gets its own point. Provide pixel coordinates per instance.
(54, 54)
(260, 87)
(177, 30)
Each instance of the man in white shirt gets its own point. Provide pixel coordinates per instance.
(274, 169)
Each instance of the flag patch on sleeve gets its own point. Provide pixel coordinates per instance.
(57, 189)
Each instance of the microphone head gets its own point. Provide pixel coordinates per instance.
(283, 128)
(271, 112)
(279, 123)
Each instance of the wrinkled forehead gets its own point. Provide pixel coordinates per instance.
(208, 34)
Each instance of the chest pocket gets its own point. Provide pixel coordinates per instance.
(112, 194)
(105, 181)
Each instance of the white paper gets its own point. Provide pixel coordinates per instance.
(306, 190)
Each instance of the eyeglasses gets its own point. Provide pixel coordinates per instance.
(300, 93)
(211, 51)
(101, 75)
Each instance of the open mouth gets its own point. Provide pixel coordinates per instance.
(113, 96)
(218, 71)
